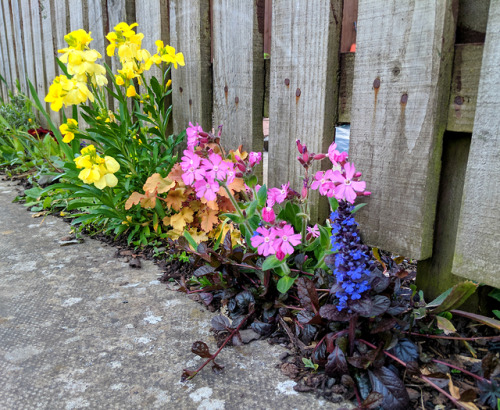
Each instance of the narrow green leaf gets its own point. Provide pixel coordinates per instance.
(250, 211)
(358, 207)
(190, 239)
(458, 295)
(445, 325)
(479, 318)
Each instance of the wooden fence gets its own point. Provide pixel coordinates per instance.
(420, 93)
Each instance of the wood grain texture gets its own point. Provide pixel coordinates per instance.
(60, 19)
(17, 30)
(49, 52)
(27, 36)
(303, 88)
(464, 85)
(77, 14)
(345, 86)
(401, 88)
(153, 21)
(238, 73)
(478, 241)
(349, 23)
(9, 43)
(5, 63)
(191, 84)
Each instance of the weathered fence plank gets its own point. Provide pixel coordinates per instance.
(60, 20)
(9, 43)
(303, 89)
(464, 85)
(345, 86)
(238, 72)
(38, 54)
(478, 240)
(77, 14)
(18, 43)
(401, 86)
(191, 85)
(349, 23)
(4, 59)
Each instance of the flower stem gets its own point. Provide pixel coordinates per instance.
(237, 208)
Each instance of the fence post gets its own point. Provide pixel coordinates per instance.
(303, 87)
(478, 239)
(191, 84)
(401, 85)
(238, 72)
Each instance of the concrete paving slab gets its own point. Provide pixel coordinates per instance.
(81, 329)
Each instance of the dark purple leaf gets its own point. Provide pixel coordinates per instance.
(362, 306)
(206, 298)
(203, 270)
(384, 324)
(227, 244)
(373, 400)
(308, 296)
(217, 368)
(319, 355)
(201, 349)
(330, 261)
(397, 309)
(184, 244)
(413, 369)
(391, 387)
(330, 312)
(202, 248)
(307, 317)
(263, 329)
(236, 340)
(307, 333)
(379, 281)
(187, 374)
(380, 305)
(336, 363)
(405, 351)
(244, 299)
(248, 256)
(220, 323)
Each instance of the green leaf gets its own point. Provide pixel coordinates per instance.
(250, 211)
(285, 283)
(271, 262)
(496, 313)
(251, 181)
(334, 204)
(233, 217)
(495, 294)
(262, 195)
(445, 325)
(324, 237)
(479, 318)
(358, 207)
(190, 239)
(457, 295)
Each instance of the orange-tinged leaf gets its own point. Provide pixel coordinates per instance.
(198, 236)
(166, 221)
(156, 183)
(175, 198)
(214, 147)
(173, 234)
(237, 185)
(176, 174)
(211, 204)
(208, 219)
(148, 202)
(134, 199)
(195, 205)
(454, 390)
(180, 220)
(225, 205)
(239, 153)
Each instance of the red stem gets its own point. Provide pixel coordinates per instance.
(482, 379)
(450, 337)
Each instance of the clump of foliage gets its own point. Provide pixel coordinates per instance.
(120, 134)
(346, 309)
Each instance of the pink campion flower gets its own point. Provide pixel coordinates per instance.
(336, 156)
(347, 188)
(254, 158)
(207, 188)
(190, 159)
(286, 239)
(264, 241)
(215, 167)
(192, 135)
(268, 215)
(192, 174)
(314, 231)
(323, 181)
(276, 195)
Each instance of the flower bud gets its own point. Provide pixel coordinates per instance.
(319, 156)
(299, 146)
(357, 174)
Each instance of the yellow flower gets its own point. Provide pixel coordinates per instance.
(78, 39)
(68, 92)
(169, 83)
(68, 130)
(127, 41)
(131, 91)
(119, 80)
(90, 175)
(111, 164)
(166, 54)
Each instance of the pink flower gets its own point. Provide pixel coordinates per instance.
(314, 231)
(192, 135)
(285, 239)
(190, 159)
(276, 195)
(254, 158)
(347, 188)
(336, 156)
(207, 189)
(264, 241)
(268, 215)
(215, 167)
(323, 181)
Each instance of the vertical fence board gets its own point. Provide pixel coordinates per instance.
(26, 32)
(303, 88)
(401, 85)
(60, 26)
(349, 23)
(478, 240)
(19, 46)
(38, 54)
(238, 72)
(154, 24)
(191, 84)
(77, 14)
(5, 64)
(10, 44)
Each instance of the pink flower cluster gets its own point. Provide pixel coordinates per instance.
(277, 241)
(342, 181)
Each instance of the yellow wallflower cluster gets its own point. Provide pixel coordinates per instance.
(82, 66)
(165, 54)
(68, 130)
(67, 91)
(96, 170)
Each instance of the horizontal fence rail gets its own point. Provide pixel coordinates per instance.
(418, 91)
